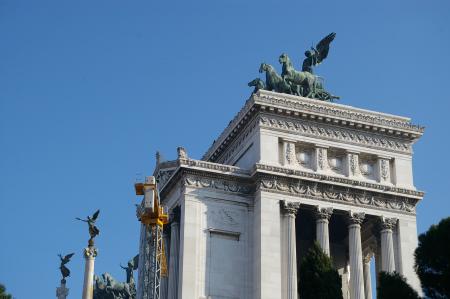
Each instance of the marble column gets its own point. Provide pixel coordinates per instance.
(322, 234)
(387, 244)
(90, 253)
(174, 254)
(367, 276)
(289, 210)
(62, 292)
(356, 267)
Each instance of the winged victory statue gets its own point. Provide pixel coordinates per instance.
(93, 230)
(65, 272)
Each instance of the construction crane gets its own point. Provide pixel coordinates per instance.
(151, 214)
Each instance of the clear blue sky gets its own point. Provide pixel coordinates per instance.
(89, 90)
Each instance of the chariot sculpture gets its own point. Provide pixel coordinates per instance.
(302, 83)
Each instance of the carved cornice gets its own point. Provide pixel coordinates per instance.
(331, 193)
(346, 113)
(356, 218)
(333, 179)
(334, 133)
(289, 208)
(228, 169)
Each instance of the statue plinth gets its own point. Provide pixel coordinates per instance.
(62, 292)
(90, 253)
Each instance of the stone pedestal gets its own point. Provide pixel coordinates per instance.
(356, 267)
(62, 292)
(90, 253)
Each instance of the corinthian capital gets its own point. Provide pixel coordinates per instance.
(289, 208)
(356, 218)
(388, 223)
(324, 213)
(90, 252)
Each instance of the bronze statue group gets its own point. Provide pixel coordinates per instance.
(291, 81)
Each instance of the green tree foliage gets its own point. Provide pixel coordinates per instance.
(317, 276)
(3, 294)
(433, 260)
(393, 286)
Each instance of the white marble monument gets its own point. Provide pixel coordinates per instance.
(287, 171)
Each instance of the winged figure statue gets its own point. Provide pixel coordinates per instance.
(131, 266)
(93, 230)
(316, 55)
(65, 272)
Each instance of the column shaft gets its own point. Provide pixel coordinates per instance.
(173, 260)
(387, 245)
(322, 234)
(387, 251)
(367, 278)
(88, 286)
(356, 267)
(289, 210)
(291, 258)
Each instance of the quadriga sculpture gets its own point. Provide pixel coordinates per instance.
(291, 81)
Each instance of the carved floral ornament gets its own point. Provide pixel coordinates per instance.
(324, 213)
(388, 223)
(289, 208)
(356, 218)
(90, 252)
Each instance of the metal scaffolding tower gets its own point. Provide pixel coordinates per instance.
(153, 262)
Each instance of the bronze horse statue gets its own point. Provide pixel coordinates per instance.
(302, 82)
(274, 82)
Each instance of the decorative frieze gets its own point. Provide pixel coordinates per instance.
(218, 184)
(336, 134)
(334, 179)
(330, 193)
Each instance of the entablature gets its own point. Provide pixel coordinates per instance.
(321, 119)
(224, 178)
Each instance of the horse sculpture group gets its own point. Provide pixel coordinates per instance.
(291, 81)
(106, 287)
